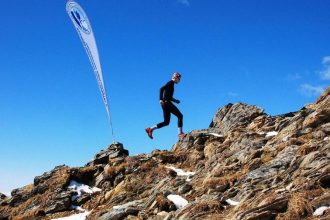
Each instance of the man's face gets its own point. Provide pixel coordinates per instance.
(177, 79)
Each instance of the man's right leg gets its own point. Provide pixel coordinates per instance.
(166, 115)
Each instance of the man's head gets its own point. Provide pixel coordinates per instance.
(176, 77)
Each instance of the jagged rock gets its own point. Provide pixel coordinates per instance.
(19, 196)
(61, 202)
(85, 174)
(99, 180)
(82, 199)
(164, 204)
(5, 216)
(184, 188)
(120, 177)
(318, 117)
(47, 175)
(2, 197)
(42, 178)
(325, 181)
(118, 214)
(122, 211)
(113, 151)
(267, 211)
(235, 116)
(40, 189)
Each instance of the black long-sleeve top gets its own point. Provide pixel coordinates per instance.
(167, 91)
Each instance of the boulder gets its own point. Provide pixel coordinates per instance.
(113, 151)
(2, 197)
(61, 202)
(19, 196)
(234, 116)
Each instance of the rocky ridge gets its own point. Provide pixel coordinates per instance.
(246, 165)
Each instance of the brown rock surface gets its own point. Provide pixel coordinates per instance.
(246, 165)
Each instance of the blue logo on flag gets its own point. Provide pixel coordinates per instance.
(81, 19)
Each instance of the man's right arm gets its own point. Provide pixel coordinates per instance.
(161, 95)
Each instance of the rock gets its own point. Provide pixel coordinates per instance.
(171, 173)
(267, 211)
(121, 211)
(85, 174)
(40, 189)
(323, 200)
(113, 151)
(42, 178)
(254, 164)
(99, 180)
(184, 188)
(19, 196)
(164, 204)
(61, 202)
(234, 116)
(325, 181)
(120, 177)
(4, 216)
(318, 117)
(118, 214)
(82, 199)
(47, 175)
(2, 197)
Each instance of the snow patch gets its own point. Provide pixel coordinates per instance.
(179, 201)
(118, 208)
(81, 189)
(320, 211)
(216, 135)
(232, 202)
(78, 208)
(289, 187)
(80, 216)
(326, 138)
(181, 172)
(271, 133)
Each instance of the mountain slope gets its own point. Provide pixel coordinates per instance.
(246, 165)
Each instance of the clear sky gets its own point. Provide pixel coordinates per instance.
(271, 53)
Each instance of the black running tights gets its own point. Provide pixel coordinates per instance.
(169, 108)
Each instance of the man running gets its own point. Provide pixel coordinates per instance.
(166, 101)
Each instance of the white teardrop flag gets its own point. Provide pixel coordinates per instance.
(85, 32)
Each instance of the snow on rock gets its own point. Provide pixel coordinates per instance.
(271, 133)
(78, 208)
(125, 206)
(216, 135)
(181, 172)
(80, 216)
(8, 194)
(232, 202)
(286, 138)
(179, 201)
(81, 189)
(320, 211)
(289, 187)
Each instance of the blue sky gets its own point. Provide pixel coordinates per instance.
(273, 54)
